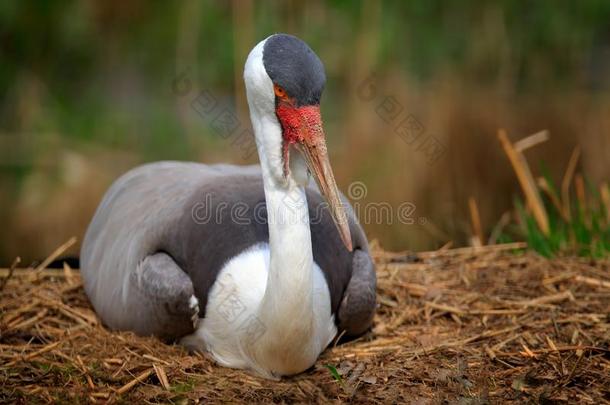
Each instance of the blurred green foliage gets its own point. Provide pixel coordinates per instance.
(75, 48)
(79, 73)
(582, 230)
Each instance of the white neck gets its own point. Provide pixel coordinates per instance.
(289, 292)
(287, 307)
(288, 300)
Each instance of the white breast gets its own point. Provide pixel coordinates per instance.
(231, 327)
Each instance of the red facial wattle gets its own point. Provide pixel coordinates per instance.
(299, 125)
(302, 127)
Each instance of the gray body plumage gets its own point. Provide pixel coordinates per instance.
(151, 246)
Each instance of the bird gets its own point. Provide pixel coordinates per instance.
(255, 265)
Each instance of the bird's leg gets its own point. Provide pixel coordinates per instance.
(358, 305)
(165, 290)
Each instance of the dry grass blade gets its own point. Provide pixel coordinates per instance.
(604, 192)
(594, 282)
(474, 250)
(161, 376)
(475, 219)
(28, 322)
(498, 228)
(581, 196)
(58, 252)
(30, 356)
(68, 274)
(567, 180)
(10, 272)
(526, 180)
(141, 377)
(547, 299)
(531, 141)
(545, 186)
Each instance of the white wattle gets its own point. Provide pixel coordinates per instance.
(269, 310)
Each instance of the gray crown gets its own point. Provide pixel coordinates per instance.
(291, 64)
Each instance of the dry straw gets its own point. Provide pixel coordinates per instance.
(471, 324)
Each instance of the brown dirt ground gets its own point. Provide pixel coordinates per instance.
(488, 325)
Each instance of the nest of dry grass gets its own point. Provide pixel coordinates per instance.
(469, 325)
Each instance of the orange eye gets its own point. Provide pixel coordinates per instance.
(279, 92)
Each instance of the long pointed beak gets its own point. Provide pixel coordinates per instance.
(312, 145)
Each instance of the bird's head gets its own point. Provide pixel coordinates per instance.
(284, 83)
